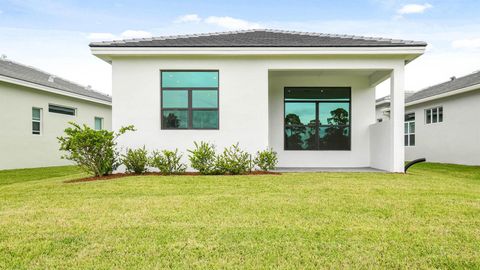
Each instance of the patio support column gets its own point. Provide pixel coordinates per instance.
(397, 114)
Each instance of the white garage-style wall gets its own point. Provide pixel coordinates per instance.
(19, 148)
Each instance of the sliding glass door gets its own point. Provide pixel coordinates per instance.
(317, 118)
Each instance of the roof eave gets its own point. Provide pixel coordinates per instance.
(106, 53)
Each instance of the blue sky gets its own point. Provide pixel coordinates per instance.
(54, 35)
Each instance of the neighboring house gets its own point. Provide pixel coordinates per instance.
(35, 108)
(442, 121)
(309, 96)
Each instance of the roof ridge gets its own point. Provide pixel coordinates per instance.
(319, 34)
(55, 76)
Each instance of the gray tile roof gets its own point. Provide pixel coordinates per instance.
(18, 71)
(260, 38)
(452, 85)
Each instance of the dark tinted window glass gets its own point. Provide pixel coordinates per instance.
(300, 138)
(205, 119)
(327, 93)
(334, 138)
(429, 116)
(333, 113)
(406, 140)
(300, 113)
(412, 140)
(61, 110)
(175, 119)
(434, 115)
(35, 127)
(440, 114)
(410, 117)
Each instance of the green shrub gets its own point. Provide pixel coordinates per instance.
(234, 160)
(204, 159)
(168, 162)
(136, 160)
(92, 150)
(266, 160)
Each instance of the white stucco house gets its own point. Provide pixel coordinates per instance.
(442, 121)
(309, 96)
(35, 108)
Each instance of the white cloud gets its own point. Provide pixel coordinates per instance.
(100, 36)
(231, 23)
(466, 43)
(135, 34)
(413, 8)
(188, 18)
(128, 34)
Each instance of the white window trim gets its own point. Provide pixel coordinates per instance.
(408, 133)
(431, 114)
(39, 121)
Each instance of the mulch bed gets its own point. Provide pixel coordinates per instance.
(121, 175)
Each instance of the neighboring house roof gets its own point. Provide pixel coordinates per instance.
(386, 99)
(260, 38)
(468, 82)
(452, 85)
(17, 71)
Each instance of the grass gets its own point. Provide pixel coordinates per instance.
(427, 219)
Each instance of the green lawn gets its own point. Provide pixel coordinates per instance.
(429, 218)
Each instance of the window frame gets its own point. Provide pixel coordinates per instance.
(40, 130)
(317, 116)
(434, 118)
(95, 123)
(62, 106)
(189, 108)
(408, 133)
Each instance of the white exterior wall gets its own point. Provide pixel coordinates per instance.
(362, 116)
(455, 140)
(380, 141)
(247, 114)
(19, 148)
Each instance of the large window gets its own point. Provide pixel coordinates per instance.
(36, 121)
(317, 118)
(410, 129)
(189, 99)
(61, 109)
(434, 115)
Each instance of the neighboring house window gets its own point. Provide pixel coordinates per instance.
(98, 123)
(434, 115)
(36, 121)
(61, 109)
(189, 99)
(410, 129)
(317, 118)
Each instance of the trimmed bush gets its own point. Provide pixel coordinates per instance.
(234, 160)
(203, 158)
(136, 160)
(92, 150)
(168, 162)
(266, 160)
